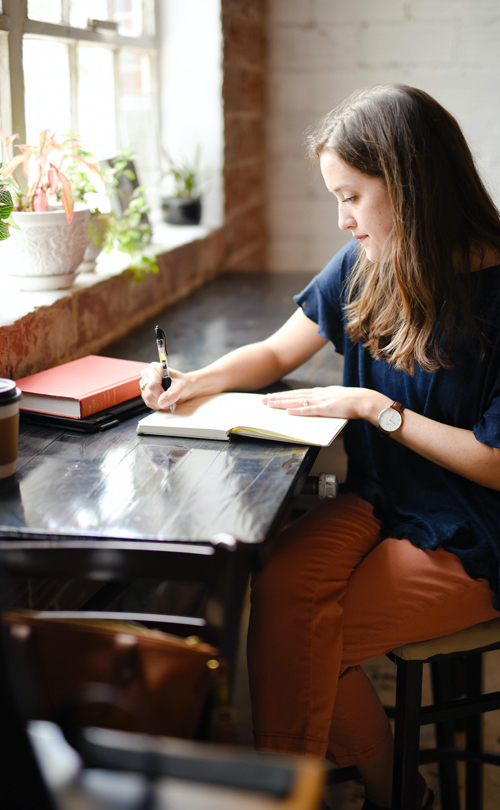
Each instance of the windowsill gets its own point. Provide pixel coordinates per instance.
(14, 304)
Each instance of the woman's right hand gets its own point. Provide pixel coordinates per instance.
(155, 397)
(245, 369)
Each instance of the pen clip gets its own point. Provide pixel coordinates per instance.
(161, 342)
(161, 339)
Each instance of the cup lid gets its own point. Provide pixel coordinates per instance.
(8, 391)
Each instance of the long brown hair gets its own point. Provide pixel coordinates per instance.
(409, 307)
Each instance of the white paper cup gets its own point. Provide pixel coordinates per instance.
(10, 396)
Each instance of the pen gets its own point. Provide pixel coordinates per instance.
(161, 342)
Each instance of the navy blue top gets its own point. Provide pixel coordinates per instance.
(413, 497)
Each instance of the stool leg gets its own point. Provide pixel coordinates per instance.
(442, 690)
(406, 734)
(474, 734)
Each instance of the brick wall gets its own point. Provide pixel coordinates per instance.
(322, 50)
(244, 30)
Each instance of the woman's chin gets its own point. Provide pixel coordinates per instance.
(372, 254)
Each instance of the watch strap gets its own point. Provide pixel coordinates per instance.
(398, 407)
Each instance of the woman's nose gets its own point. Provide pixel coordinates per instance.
(346, 220)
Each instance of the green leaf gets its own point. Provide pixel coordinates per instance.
(4, 231)
(6, 205)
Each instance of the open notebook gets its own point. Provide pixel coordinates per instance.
(216, 417)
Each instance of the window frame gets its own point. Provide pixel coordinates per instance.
(15, 25)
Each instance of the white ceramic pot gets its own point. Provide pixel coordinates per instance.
(45, 253)
(97, 230)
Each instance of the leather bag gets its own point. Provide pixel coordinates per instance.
(116, 675)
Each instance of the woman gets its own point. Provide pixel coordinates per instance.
(411, 549)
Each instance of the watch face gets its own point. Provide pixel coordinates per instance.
(389, 419)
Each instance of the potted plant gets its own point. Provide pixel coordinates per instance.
(6, 207)
(130, 233)
(45, 252)
(183, 205)
(119, 226)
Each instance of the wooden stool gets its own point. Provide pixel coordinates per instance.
(469, 646)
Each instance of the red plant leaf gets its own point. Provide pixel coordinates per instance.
(6, 142)
(12, 164)
(91, 166)
(67, 197)
(40, 203)
(42, 141)
(53, 180)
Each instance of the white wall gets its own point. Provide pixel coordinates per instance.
(322, 50)
(191, 92)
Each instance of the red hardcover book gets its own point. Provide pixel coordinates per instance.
(82, 387)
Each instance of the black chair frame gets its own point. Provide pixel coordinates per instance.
(446, 714)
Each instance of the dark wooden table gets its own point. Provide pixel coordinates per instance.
(111, 505)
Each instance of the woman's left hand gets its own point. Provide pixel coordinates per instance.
(334, 400)
(455, 449)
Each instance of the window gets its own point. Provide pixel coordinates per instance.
(100, 79)
(85, 66)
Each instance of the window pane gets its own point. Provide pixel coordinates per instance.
(46, 87)
(128, 15)
(82, 10)
(138, 121)
(45, 10)
(96, 101)
(149, 18)
(135, 72)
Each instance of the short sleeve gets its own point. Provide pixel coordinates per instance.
(487, 430)
(322, 299)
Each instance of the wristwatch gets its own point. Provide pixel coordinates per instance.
(390, 419)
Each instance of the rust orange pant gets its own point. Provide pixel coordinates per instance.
(330, 597)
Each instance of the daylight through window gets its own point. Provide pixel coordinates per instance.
(88, 67)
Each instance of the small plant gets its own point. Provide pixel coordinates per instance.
(185, 176)
(130, 232)
(42, 168)
(129, 235)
